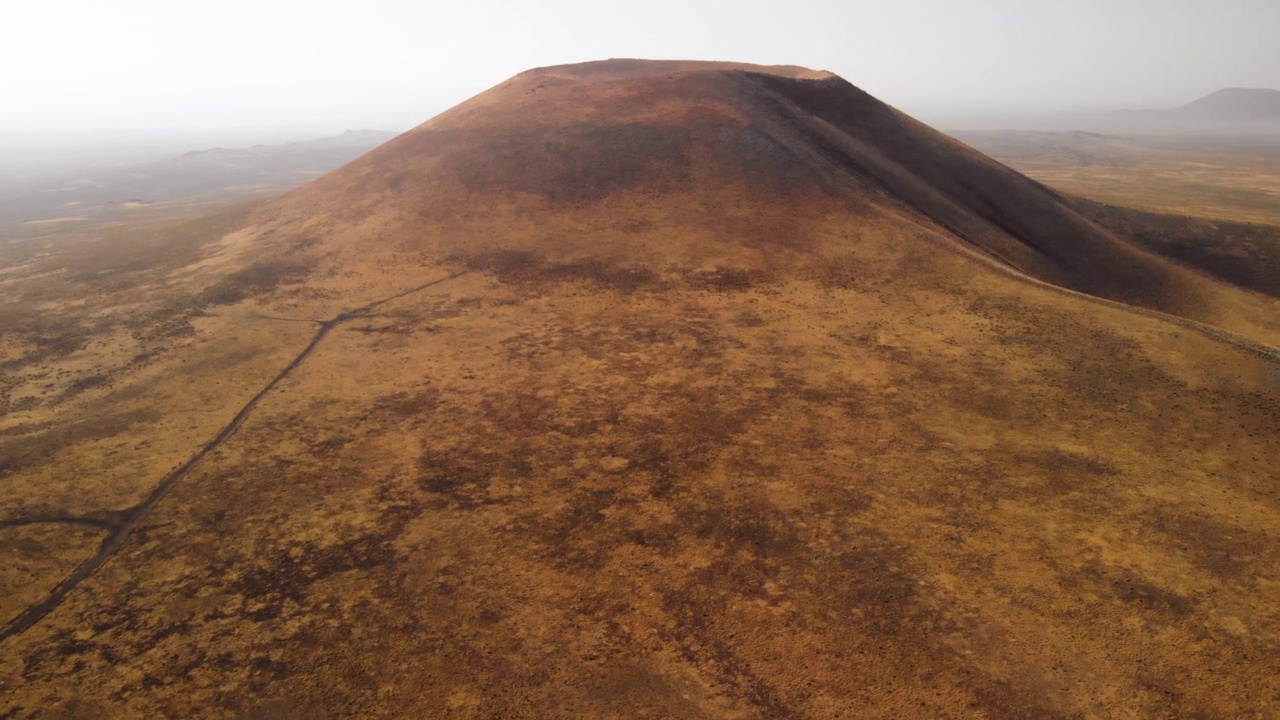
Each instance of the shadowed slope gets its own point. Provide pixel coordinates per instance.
(996, 209)
(1244, 254)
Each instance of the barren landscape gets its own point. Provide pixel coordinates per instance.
(652, 389)
(1233, 179)
(93, 197)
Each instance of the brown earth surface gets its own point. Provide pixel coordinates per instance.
(641, 389)
(1214, 178)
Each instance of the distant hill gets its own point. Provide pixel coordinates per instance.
(1236, 105)
(359, 140)
(261, 168)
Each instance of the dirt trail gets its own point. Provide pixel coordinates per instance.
(134, 517)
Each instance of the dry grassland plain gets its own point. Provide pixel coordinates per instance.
(642, 390)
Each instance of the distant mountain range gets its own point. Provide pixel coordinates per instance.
(360, 140)
(201, 173)
(1227, 105)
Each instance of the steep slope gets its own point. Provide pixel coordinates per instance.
(659, 390)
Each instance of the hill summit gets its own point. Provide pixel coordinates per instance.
(658, 153)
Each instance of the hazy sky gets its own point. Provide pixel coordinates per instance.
(89, 65)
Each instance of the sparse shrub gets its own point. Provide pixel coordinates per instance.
(257, 279)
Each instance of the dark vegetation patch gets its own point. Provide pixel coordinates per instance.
(165, 323)
(17, 453)
(844, 272)
(729, 280)
(418, 405)
(84, 384)
(750, 543)
(523, 267)
(1065, 471)
(874, 580)
(1060, 338)
(508, 265)
(298, 246)
(1131, 588)
(1227, 552)
(257, 279)
(574, 164)
(697, 611)
(44, 513)
(991, 401)
(476, 472)
(462, 480)
(53, 334)
(605, 275)
(384, 330)
(547, 437)
(582, 535)
(1037, 475)
(282, 709)
(277, 584)
(1252, 414)
(1113, 582)
(328, 448)
(868, 590)
(26, 403)
(665, 457)
(62, 340)
(1003, 699)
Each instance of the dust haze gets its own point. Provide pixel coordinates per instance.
(81, 77)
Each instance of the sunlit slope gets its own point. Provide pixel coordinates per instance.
(682, 390)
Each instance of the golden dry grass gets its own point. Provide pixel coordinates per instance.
(1215, 179)
(1232, 191)
(712, 421)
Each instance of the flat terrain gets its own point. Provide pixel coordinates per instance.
(1216, 178)
(642, 390)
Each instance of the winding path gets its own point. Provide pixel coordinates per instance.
(134, 516)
